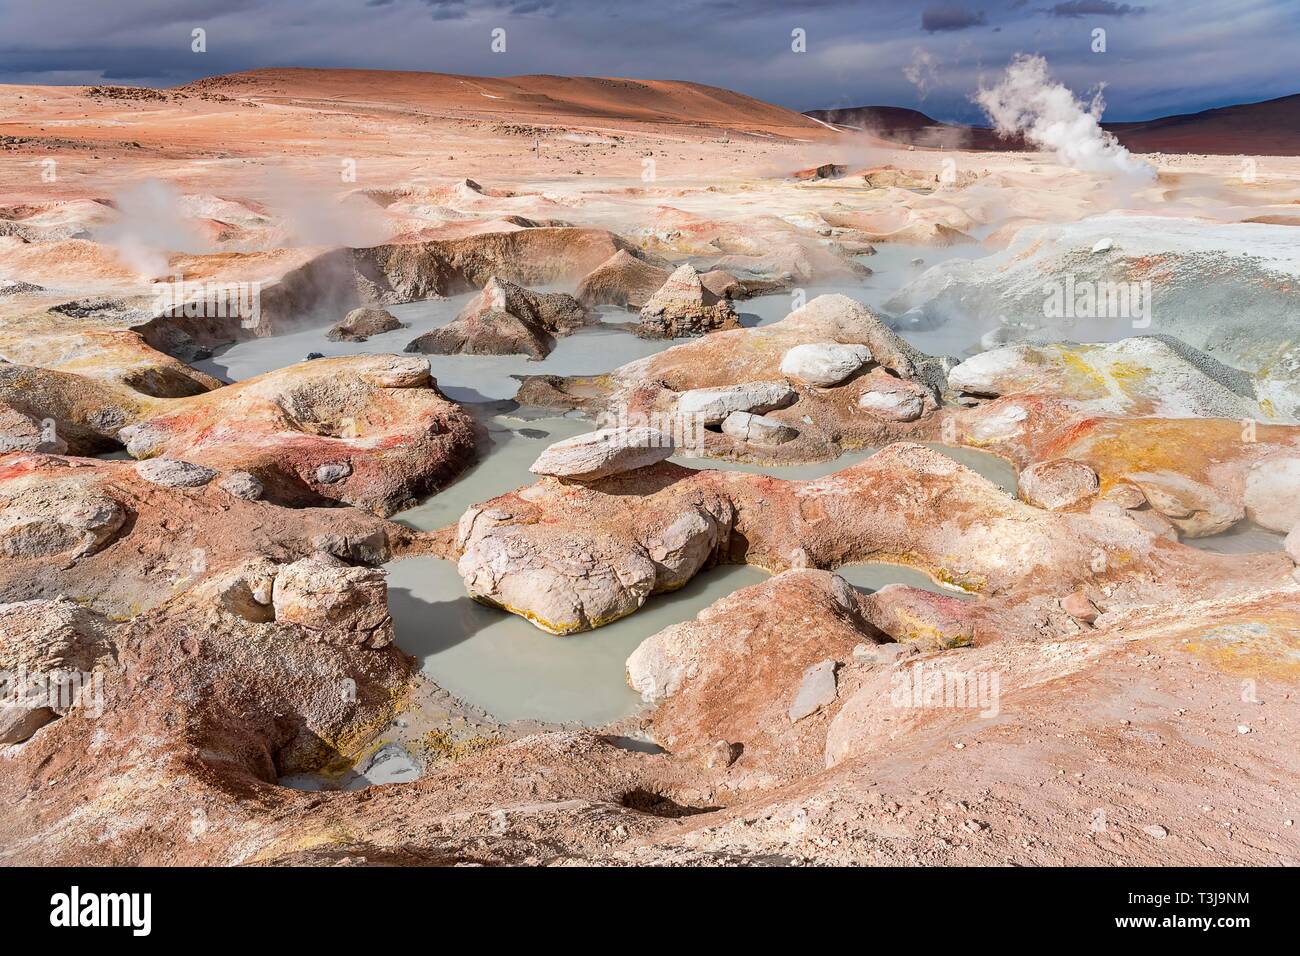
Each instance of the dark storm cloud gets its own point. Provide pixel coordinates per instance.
(857, 51)
(1089, 8)
(950, 17)
(447, 9)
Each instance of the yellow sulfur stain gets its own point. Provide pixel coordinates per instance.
(1263, 646)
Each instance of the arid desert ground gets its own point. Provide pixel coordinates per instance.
(403, 468)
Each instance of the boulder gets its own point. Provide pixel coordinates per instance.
(1197, 509)
(1273, 493)
(242, 484)
(596, 564)
(756, 429)
(330, 472)
(684, 306)
(1079, 606)
(359, 324)
(41, 519)
(1058, 484)
(1292, 544)
(824, 364)
(893, 404)
(602, 453)
(174, 473)
(506, 319)
(713, 405)
(20, 719)
(334, 602)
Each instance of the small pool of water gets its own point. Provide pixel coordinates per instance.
(1245, 538)
(502, 467)
(874, 576)
(501, 663)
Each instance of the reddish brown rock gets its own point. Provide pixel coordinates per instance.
(622, 279)
(506, 319)
(359, 324)
(683, 306)
(373, 431)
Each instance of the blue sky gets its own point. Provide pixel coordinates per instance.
(1162, 56)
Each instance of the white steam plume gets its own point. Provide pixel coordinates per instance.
(150, 223)
(922, 72)
(1027, 100)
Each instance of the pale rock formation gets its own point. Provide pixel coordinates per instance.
(824, 364)
(815, 692)
(756, 429)
(359, 324)
(713, 405)
(1273, 493)
(608, 451)
(56, 517)
(1058, 484)
(174, 473)
(586, 578)
(895, 403)
(334, 602)
(241, 484)
(1197, 509)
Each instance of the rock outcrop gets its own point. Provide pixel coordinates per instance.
(894, 397)
(623, 280)
(359, 324)
(683, 306)
(373, 431)
(713, 405)
(608, 451)
(506, 319)
(571, 557)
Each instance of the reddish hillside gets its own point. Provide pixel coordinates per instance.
(1271, 128)
(542, 97)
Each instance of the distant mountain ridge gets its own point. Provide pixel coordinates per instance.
(1268, 128)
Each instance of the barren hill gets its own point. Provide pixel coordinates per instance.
(541, 97)
(1270, 128)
